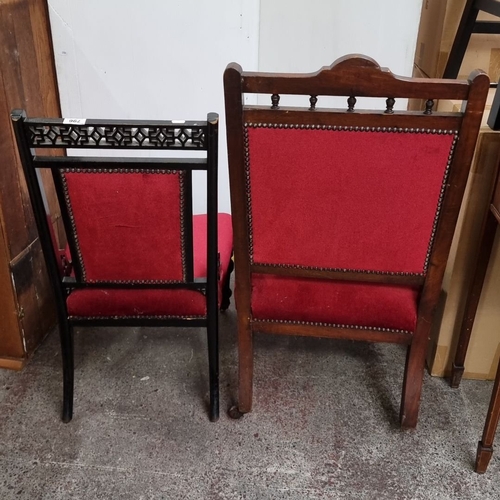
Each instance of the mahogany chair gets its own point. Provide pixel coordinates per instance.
(343, 218)
(140, 257)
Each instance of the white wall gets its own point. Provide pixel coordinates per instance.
(300, 35)
(303, 36)
(152, 59)
(162, 59)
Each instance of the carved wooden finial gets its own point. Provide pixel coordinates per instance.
(275, 100)
(313, 100)
(351, 101)
(389, 105)
(429, 104)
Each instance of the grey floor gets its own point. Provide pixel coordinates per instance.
(324, 423)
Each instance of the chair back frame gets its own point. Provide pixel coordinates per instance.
(351, 76)
(33, 134)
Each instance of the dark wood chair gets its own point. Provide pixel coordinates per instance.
(469, 24)
(139, 256)
(343, 218)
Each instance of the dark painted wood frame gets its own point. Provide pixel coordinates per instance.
(468, 25)
(351, 76)
(62, 286)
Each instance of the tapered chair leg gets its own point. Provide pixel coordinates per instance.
(66, 334)
(412, 383)
(213, 364)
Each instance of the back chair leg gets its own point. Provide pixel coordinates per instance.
(213, 364)
(226, 290)
(245, 354)
(66, 334)
(413, 379)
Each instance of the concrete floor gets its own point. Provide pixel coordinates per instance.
(324, 423)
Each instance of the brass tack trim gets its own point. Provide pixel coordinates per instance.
(71, 216)
(87, 318)
(332, 325)
(339, 269)
(182, 202)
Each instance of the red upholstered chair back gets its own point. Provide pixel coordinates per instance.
(138, 255)
(104, 205)
(365, 195)
(128, 219)
(345, 198)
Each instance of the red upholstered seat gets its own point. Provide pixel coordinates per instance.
(166, 303)
(336, 303)
(96, 303)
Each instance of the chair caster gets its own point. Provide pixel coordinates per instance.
(234, 413)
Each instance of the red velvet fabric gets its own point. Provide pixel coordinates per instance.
(118, 219)
(334, 302)
(345, 199)
(92, 303)
(185, 303)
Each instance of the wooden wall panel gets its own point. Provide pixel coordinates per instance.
(27, 80)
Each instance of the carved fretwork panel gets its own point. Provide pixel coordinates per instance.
(111, 136)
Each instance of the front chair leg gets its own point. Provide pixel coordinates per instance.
(412, 384)
(66, 336)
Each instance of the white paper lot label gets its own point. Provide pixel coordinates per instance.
(74, 121)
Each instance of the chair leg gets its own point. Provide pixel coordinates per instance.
(461, 41)
(66, 334)
(473, 295)
(226, 290)
(245, 354)
(413, 380)
(485, 446)
(213, 363)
